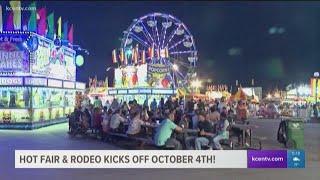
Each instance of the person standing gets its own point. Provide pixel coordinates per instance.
(201, 105)
(114, 105)
(145, 104)
(97, 103)
(97, 117)
(153, 105)
(194, 119)
(161, 104)
(107, 104)
(222, 104)
(315, 111)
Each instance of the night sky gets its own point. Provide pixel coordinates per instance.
(273, 59)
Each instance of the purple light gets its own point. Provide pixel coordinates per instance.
(146, 31)
(173, 33)
(157, 32)
(139, 40)
(182, 52)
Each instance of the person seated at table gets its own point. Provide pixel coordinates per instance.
(157, 116)
(213, 114)
(184, 122)
(134, 128)
(74, 118)
(223, 131)
(116, 120)
(144, 114)
(178, 115)
(206, 132)
(163, 136)
(106, 120)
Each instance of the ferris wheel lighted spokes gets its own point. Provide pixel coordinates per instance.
(165, 39)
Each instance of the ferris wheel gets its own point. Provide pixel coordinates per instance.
(166, 41)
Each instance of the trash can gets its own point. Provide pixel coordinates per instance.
(295, 133)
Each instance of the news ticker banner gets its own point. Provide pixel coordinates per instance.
(159, 159)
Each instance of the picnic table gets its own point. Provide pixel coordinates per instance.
(185, 130)
(244, 128)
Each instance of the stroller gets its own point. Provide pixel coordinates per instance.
(282, 133)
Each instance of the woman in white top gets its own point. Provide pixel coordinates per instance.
(135, 124)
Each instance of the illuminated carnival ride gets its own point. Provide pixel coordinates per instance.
(157, 57)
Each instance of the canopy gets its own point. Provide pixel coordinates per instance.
(240, 95)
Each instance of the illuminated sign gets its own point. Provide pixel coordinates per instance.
(158, 68)
(133, 91)
(41, 64)
(52, 62)
(80, 85)
(131, 76)
(14, 55)
(13, 37)
(162, 91)
(158, 75)
(35, 81)
(69, 58)
(122, 91)
(11, 81)
(67, 84)
(11, 60)
(112, 91)
(54, 83)
(145, 91)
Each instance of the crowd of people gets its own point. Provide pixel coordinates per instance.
(208, 122)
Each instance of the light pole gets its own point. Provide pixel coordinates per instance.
(316, 75)
(252, 86)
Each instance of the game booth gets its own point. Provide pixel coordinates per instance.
(150, 66)
(37, 81)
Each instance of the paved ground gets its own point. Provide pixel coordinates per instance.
(55, 137)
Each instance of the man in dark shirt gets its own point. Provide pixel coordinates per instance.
(206, 132)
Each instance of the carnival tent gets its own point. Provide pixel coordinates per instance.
(240, 95)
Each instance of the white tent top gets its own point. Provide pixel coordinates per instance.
(248, 91)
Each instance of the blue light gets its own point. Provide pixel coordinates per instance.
(129, 52)
(32, 43)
